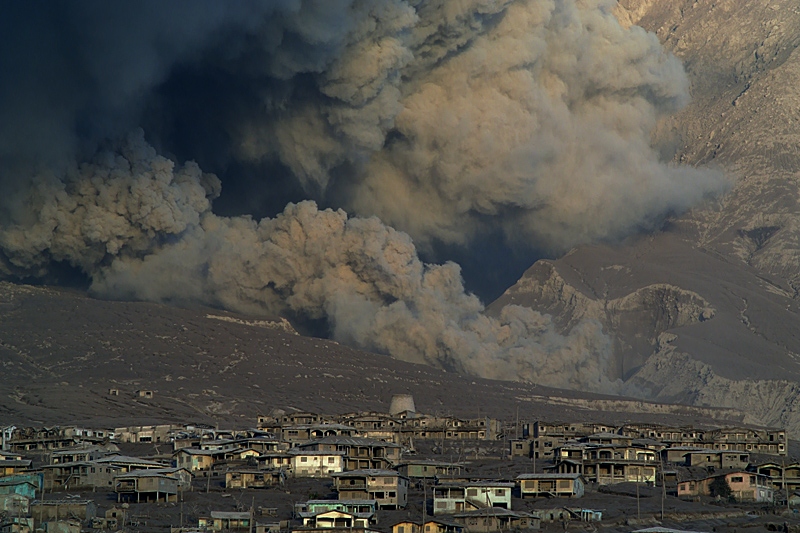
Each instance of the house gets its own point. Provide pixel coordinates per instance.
(57, 510)
(23, 486)
(304, 433)
(363, 509)
(92, 474)
(677, 454)
(744, 486)
(30, 439)
(788, 474)
(360, 453)
(335, 519)
(316, 463)
(551, 485)
(432, 525)
(252, 478)
(14, 504)
(183, 476)
(718, 459)
(459, 497)
(226, 521)
(388, 487)
(195, 460)
(274, 460)
(84, 453)
(428, 469)
(564, 514)
(147, 394)
(145, 486)
(609, 471)
(496, 519)
(16, 524)
(768, 441)
(606, 463)
(9, 467)
(155, 433)
(520, 447)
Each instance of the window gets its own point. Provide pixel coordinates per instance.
(331, 460)
(737, 479)
(472, 492)
(500, 492)
(304, 459)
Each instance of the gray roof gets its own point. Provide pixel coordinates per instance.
(295, 451)
(230, 515)
(127, 460)
(350, 441)
(549, 476)
(373, 472)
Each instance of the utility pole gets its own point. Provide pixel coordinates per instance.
(663, 484)
(638, 508)
(783, 482)
(181, 489)
(424, 503)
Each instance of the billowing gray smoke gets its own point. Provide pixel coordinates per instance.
(143, 229)
(445, 119)
(531, 116)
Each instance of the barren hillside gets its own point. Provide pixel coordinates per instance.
(61, 353)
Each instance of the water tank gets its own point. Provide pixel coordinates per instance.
(400, 403)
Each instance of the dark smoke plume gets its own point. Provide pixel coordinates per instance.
(449, 121)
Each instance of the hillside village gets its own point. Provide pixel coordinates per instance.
(397, 472)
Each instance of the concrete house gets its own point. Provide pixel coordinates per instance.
(316, 463)
(779, 473)
(145, 486)
(428, 469)
(362, 509)
(458, 497)
(225, 521)
(551, 485)
(195, 460)
(717, 459)
(92, 474)
(745, 486)
(9, 467)
(432, 525)
(359, 453)
(496, 519)
(304, 433)
(248, 478)
(387, 487)
(335, 519)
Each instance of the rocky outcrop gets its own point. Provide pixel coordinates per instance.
(635, 319)
(688, 326)
(674, 376)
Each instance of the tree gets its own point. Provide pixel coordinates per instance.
(720, 488)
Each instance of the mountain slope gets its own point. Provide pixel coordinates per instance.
(62, 351)
(706, 311)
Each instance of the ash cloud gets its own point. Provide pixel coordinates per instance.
(142, 228)
(449, 121)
